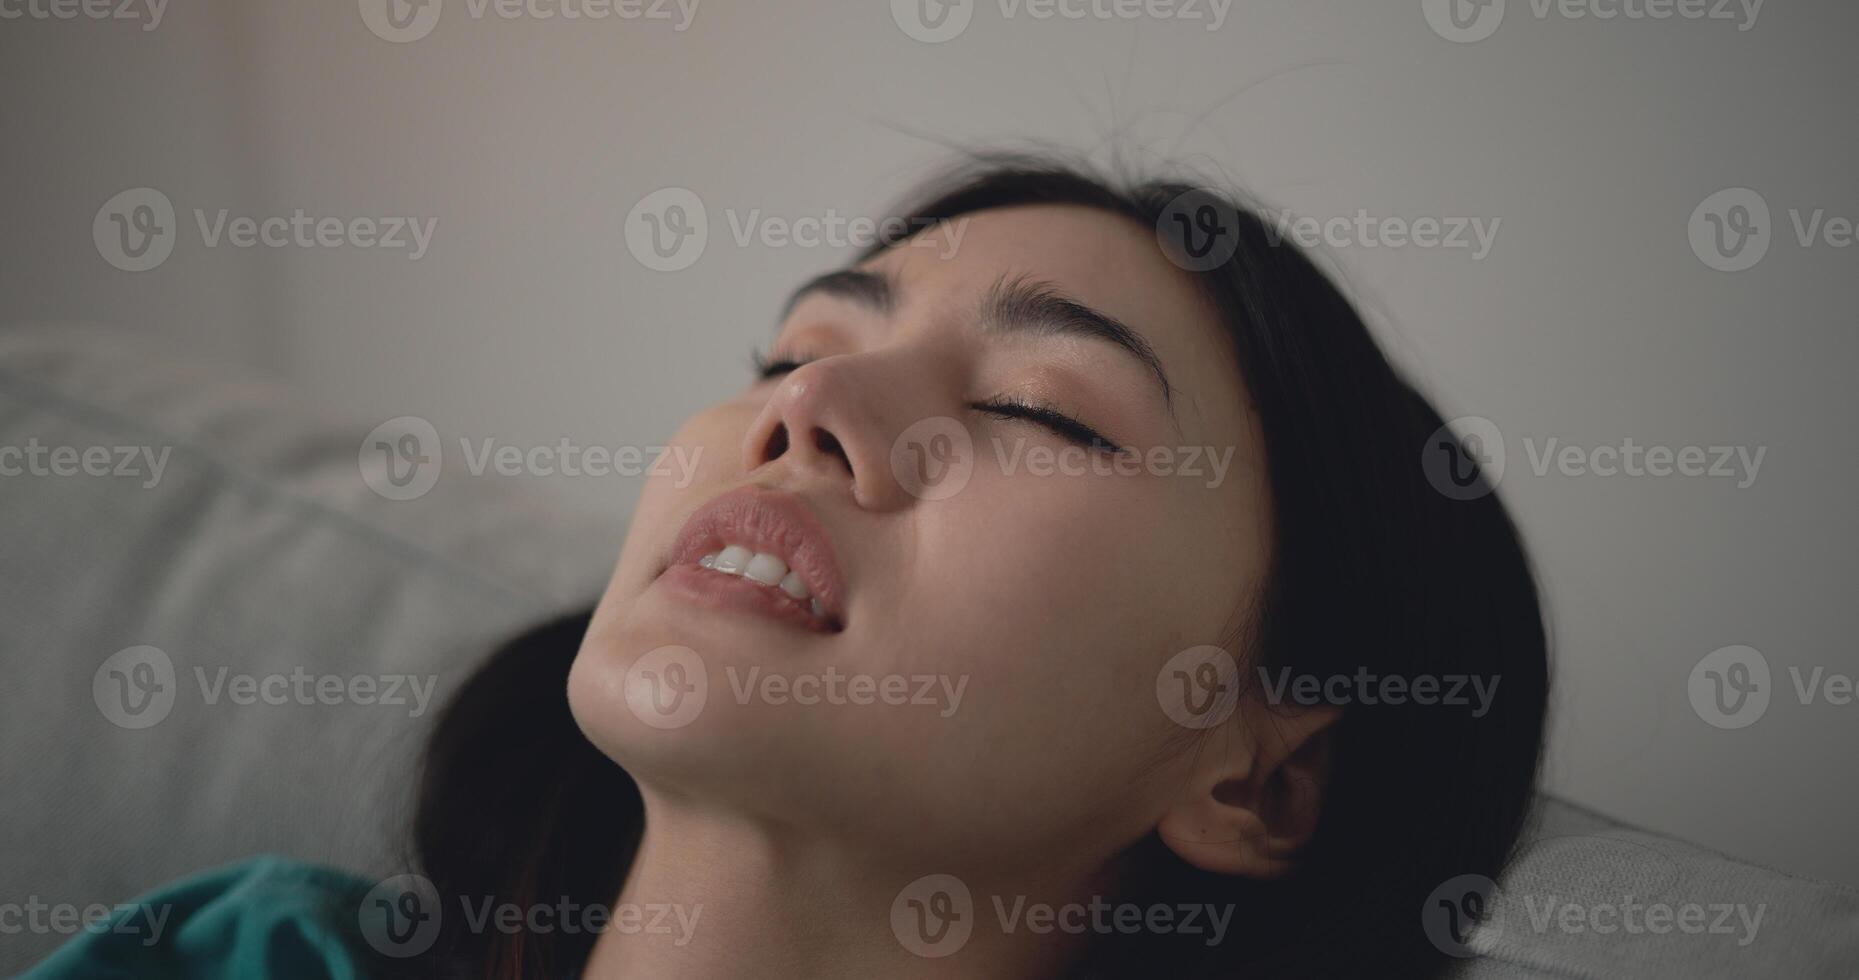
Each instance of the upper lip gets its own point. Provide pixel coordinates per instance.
(774, 522)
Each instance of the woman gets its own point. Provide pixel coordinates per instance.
(964, 654)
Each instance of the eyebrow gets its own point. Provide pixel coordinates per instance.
(1026, 304)
(873, 290)
(1013, 304)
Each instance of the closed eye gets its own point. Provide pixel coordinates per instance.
(769, 366)
(774, 365)
(1055, 421)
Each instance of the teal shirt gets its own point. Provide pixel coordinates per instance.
(265, 918)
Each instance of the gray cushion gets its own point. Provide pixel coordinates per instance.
(1588, 896)
(260, 551)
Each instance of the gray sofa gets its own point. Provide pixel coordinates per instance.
(244, 542)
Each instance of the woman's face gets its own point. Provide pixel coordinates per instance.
(1002, 591)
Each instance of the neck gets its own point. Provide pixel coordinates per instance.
(714, 895)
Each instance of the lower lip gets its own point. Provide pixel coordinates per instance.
(733, 593)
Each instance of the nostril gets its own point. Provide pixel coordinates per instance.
(828, 444)
(777, 444)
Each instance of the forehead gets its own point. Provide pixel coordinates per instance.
(1105, 261)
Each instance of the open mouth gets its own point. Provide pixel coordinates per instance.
(760, 550)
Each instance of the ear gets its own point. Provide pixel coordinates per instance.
(1255, 790)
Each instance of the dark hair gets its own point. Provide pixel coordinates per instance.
(1372, 569)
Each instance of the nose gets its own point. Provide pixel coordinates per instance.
(830, 417)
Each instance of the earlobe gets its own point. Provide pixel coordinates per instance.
(1221, 838)
(1255, 795)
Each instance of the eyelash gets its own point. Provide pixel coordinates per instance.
(770, 366)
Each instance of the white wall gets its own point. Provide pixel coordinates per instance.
(1591, 320)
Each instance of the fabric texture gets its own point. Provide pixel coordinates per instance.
(263, 919)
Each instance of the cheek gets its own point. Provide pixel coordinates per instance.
(1057, 556)
(701, 458)
(1054, 592)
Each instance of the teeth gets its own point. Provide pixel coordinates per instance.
(733, 559)
(763, 568)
